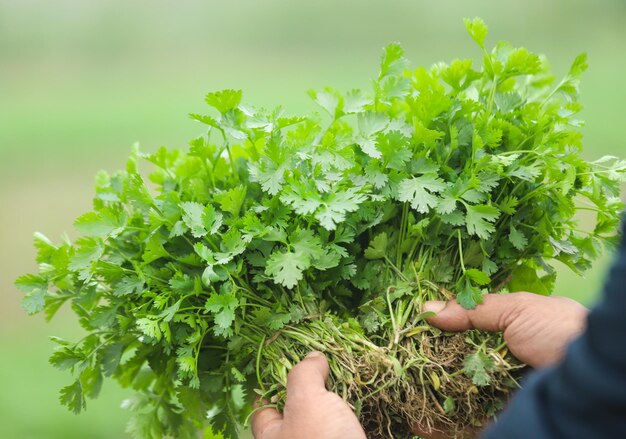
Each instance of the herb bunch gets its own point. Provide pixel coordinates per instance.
(275, 235)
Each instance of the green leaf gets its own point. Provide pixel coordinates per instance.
(278, 320)
(378, 247)
(477, 276)
(99, 224)
(230, 201)
(525, 278)
(449, 405)
(479, 220)
(128, 285)
(477, 366)
(333, 210)
(193, 217)
(304, 242)
(72, 397)
(477, 29)
(420, 191)
(209, 276)
(238, 395)
(35, 288)
(392, 61)
(268, 221)
(470, 296)
(89, 250)
(517, 238)
(508, 204)
(154, 250)
(224, 100)
(91, 381)
(212, 220)
(66, 358)
(286, 268)
(329, 100)
(150, 327)
(223, 307)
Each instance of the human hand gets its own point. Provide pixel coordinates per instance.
(311, 411)
(536, 328)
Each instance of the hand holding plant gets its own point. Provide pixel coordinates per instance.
(273, 236)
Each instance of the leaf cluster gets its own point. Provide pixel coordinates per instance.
(467, 177)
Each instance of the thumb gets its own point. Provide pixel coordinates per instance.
(308, 376)
(494, 314)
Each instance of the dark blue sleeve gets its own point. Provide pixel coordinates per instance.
(585, 395)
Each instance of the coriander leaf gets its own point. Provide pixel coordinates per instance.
(128, 285)
(378, 247)
(525, 278)
(35, 288)
(72, 397)
(286, 268)
(223, 307)
(517, 238)
(447, 204)
(193, 214)
(303, 203)
(470, 296)
(333, 210)
(480, 218)
(392, 61)
(66, 358)
(34, 301)
(154, 250)
(212, 220)
(419, 191)
(449, 405)
(508, 204)
(477, 366)
(304, 242)
(150, 327)
(224, 100)
(477, 29)
(477, 276)
(329, 100)
(230, 201)
(100, 224)
(279, 320)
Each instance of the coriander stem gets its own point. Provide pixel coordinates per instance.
(461, 251)
(258, 364)
(396, 269)
(392, 316)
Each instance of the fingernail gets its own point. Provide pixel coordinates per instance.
(435, 306)
(314, 354)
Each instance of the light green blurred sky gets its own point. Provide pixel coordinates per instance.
(81, 80)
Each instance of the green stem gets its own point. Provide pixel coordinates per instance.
(258, 364)
(396, 269)
(461, 251)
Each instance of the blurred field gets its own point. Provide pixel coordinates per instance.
(81, 81)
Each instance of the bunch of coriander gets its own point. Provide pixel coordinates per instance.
(275, 235)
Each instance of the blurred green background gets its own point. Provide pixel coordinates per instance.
(80, 81)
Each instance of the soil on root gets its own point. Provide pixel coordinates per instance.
(414, 380)
(396, 399)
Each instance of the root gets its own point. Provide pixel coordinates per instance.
(420, 381)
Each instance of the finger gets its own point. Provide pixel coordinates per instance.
(308, 376)
(492, 315)
(266, 423)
